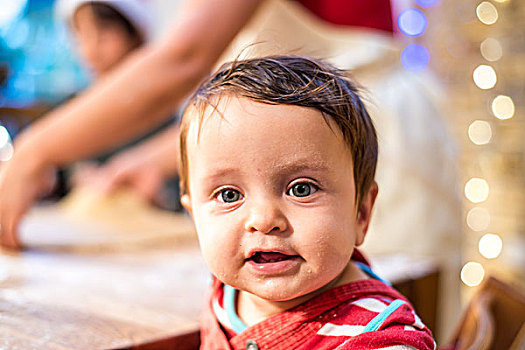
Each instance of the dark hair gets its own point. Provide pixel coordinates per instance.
(107, 15)
(299, 81)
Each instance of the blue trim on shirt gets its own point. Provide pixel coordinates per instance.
(229, 305)
(371, 273)
(377, 321)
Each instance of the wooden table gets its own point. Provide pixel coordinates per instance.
(54, 297)
(60, 300)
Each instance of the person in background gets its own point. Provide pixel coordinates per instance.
(104, 33)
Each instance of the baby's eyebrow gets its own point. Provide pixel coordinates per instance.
(221, 172)
(277, 169)
(300, 166)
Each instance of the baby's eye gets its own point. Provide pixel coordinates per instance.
(301, 189)
(229, 195)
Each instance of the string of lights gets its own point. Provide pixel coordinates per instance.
(477, 40)
(480, 132)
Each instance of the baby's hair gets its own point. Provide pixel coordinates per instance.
(298, 81)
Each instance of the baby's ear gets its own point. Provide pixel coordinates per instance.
(365, 213)
(185, 200)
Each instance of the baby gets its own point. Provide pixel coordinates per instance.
(278, 156)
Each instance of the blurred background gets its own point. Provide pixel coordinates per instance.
(477, 51)
(474, 49)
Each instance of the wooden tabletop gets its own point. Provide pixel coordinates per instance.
(65, 300)
(66, 291)
(61, 300)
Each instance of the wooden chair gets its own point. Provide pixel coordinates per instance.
(493, 320)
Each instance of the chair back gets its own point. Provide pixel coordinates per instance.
(494, 319)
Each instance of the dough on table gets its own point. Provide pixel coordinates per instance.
(87, 219)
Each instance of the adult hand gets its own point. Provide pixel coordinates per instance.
(22, 180)
(131, 169)
(144, 167)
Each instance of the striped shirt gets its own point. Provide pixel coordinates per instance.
(365, 314)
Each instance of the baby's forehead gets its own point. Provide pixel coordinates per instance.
(217, 110)
(266, 131)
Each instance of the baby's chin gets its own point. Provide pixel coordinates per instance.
(276, 292)
(292, 291)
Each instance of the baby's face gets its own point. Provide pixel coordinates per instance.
(272, 194)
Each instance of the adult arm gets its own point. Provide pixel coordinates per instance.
(138, 95)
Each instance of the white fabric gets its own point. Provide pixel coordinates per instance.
(221, 314)
(371, 304)
(335, 330)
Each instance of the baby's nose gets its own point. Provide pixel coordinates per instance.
(265, 217)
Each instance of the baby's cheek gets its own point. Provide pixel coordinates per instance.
(207, 245)
(214, 261)
(332, 243)
(217, 255)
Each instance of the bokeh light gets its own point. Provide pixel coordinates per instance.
(6, 152)
(412, 22)
(472, 274)
(484, 77)
(415, 58)
(480, 132)
(490, 245)
(487, 13)
(491, 49)
(503, 107)
(4, 136)
(478, 219)
(10, 10)
(477, 190)
(6, 148)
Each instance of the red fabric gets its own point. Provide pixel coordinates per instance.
(297, 328)
(376, 14)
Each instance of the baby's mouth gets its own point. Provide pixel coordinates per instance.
(269, 257)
